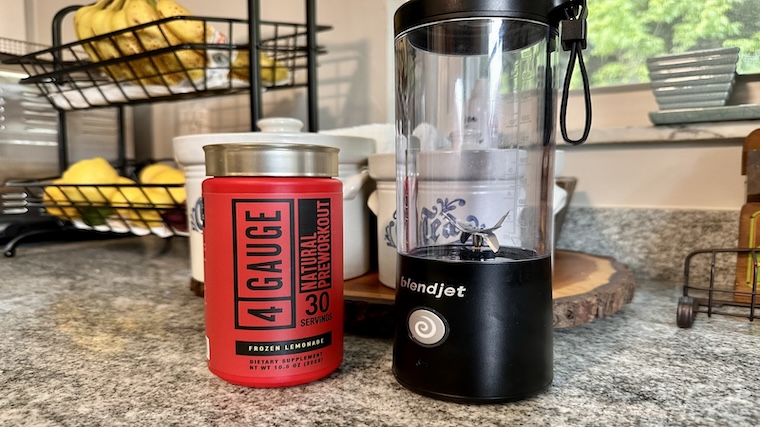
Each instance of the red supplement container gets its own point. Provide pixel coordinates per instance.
(273, 263)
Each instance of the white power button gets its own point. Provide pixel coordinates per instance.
(427, 327)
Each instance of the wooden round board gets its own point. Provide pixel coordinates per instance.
(585, 287)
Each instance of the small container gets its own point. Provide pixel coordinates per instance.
(273, 263)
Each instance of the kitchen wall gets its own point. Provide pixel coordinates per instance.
(680, 175)
(355, 87)
(12, 19)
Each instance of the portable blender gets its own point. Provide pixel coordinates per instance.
(474, 157)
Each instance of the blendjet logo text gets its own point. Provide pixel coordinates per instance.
(437, 289)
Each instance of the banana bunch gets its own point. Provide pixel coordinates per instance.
(272, 71)
(84, 28)
(175, 66)
(115, 16)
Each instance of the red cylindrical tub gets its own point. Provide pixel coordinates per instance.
(273, 263)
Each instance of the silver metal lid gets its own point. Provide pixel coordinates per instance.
(271, 159)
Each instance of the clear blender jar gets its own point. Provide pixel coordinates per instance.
(475, 144)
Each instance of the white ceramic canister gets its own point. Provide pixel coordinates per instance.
(382, 202)
(460, 189)
(188, 151)
(461, 199)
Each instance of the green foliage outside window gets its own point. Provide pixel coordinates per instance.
(622, 34)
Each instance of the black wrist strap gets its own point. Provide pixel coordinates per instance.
(574, 40)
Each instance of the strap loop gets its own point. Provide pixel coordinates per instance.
(574, 40)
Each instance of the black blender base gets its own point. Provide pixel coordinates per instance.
(474, 332)
(485, 400)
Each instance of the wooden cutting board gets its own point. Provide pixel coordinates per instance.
(585, 287)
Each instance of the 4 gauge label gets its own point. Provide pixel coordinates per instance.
(283, 256)
(264, 259)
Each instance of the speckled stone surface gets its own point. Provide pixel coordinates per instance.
(652, 242)
(108, 333)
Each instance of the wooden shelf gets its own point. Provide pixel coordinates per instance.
(368, 288)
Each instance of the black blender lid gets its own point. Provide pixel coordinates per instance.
(419, 12)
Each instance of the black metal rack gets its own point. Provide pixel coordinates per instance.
(70, 80)
(68, 77)
(309, 52)
(742, 303)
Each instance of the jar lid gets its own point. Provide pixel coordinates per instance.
(188, 149)
(271, 159)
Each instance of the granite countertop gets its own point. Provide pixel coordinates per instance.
(108, 333)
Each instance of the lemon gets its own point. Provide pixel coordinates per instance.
(125, 181)
(143, 204)
(56, 203)
(138, 204)
(112, 191)
(176, 195)
(117, 192)
(96, 170)
(148, 173)
(169, 176)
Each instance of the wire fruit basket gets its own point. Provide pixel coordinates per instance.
(216, 65)
(139, 209)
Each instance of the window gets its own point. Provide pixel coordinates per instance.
(622, 34)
